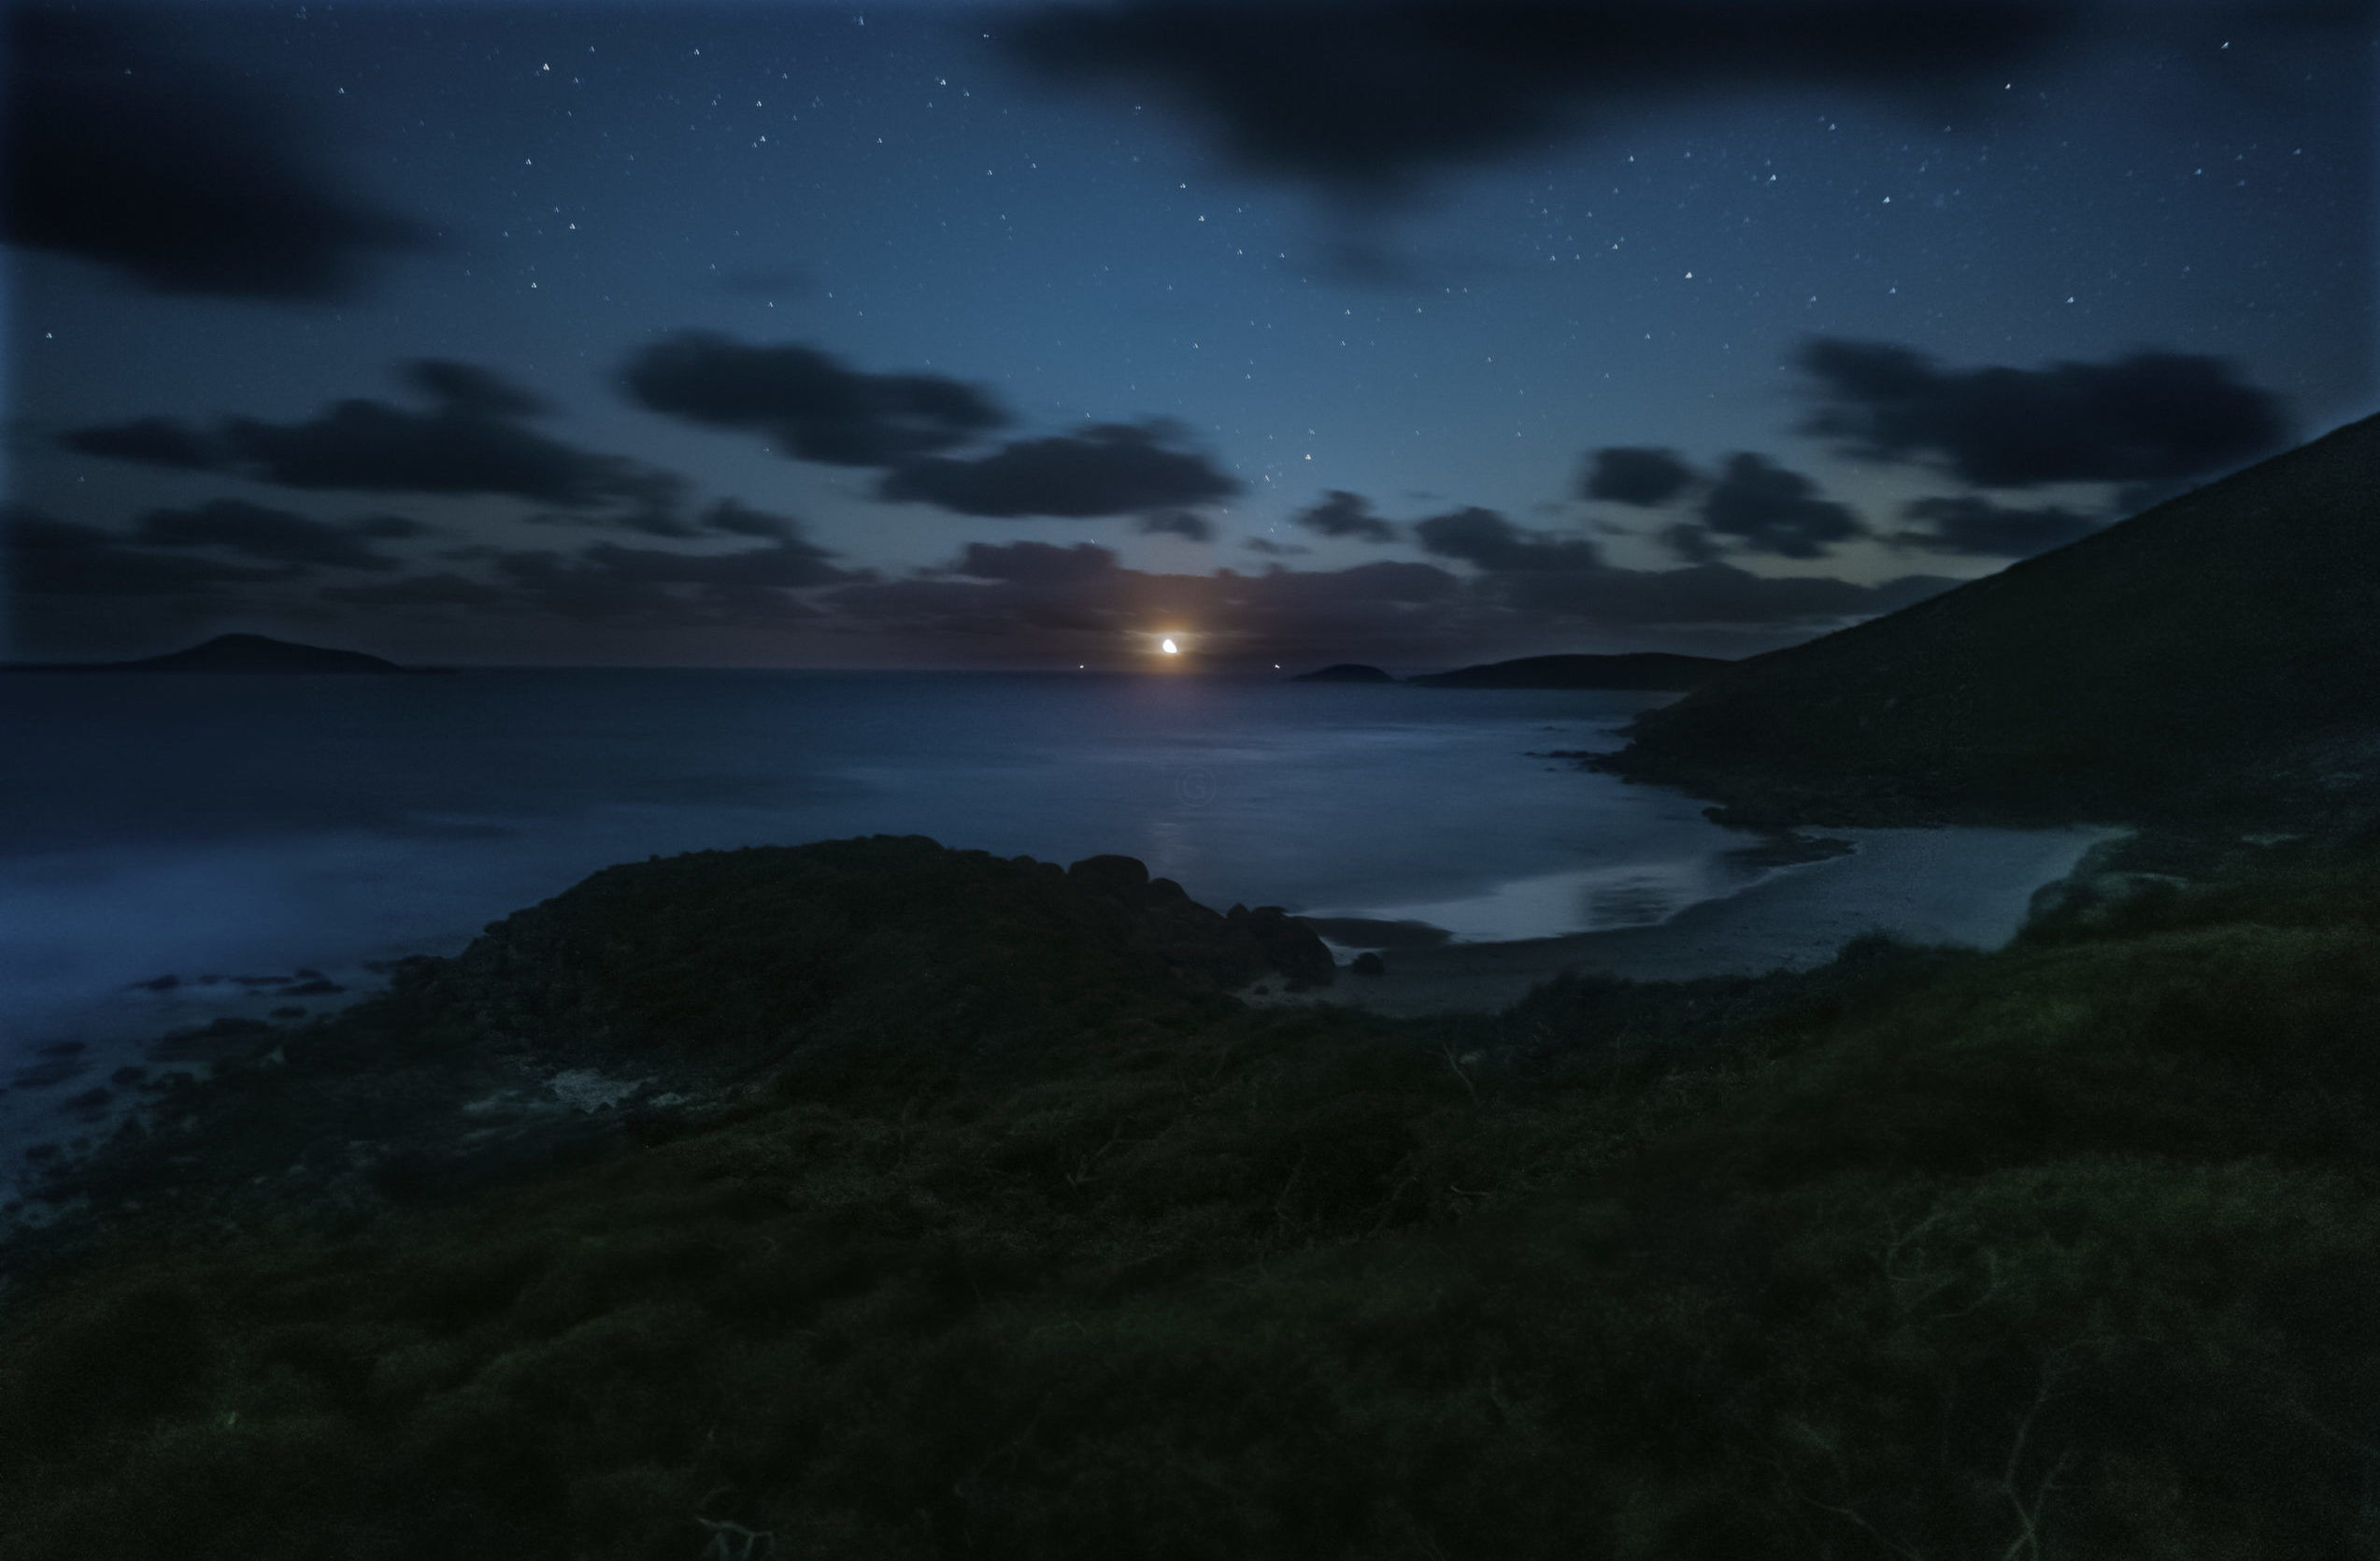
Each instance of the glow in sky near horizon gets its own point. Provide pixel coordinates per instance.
(963, 336)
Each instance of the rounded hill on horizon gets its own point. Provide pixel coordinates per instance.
(239, 654)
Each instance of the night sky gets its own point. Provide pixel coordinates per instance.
(1014, 337)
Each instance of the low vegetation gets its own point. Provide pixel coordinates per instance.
(2068, 1250)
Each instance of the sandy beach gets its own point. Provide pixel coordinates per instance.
(1970, 887)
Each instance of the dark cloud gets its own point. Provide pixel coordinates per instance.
(643, 587)
(1027, 612)
(1344, 514)
(1691, 541)
(567, 586)
(274, 536)
(1761, 507)
(440, 590)
(735, 518)
(2147, 417)
(461, 448)
(808, 404)
(390, 528)
(1116, 469)
(662, 587)
(470, 443)
(467, 390)
(186, 180)
(1189, 524)
(1271, 549)
(1626, 474)
(1400, 584)
(1043, 562)
(1034, 600)
(1362, 99)
(1710, 594)
(153, 442)
(1485, 538)
(1566, 580)
(1043, 601)
(49, 557)
(655, 588)
(1971, 525)
(788, 566)
(650, 504)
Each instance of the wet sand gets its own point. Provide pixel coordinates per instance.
(1964, 887)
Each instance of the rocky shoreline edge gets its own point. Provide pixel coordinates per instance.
(512, 1056)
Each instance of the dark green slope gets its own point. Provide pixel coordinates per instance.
(2187, 656)
(960, 1216)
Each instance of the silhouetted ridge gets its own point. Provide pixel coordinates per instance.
(238, 652)
(1643, 669)
(2218, 646)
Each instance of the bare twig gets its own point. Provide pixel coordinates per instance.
(1388, 1205)
(1445, 1049)
(1870, 1530)
(758, 1544)
(1851, 1515)
(2027, 1542)
(1084, 1171)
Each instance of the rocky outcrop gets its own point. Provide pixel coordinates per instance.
(1229, 949)
(885, 941)
(659, 993)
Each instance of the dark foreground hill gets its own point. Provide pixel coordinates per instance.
(950, 1206)
(1640, 669)
(236, 652)
(2221, 648)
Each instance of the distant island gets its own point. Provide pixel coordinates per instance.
(1345, 672)
(1644, 669)
(234, 652)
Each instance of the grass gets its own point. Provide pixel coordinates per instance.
(2064, 1250)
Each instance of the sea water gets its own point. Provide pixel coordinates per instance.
(177, 849)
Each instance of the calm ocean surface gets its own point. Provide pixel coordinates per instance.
(209, 829)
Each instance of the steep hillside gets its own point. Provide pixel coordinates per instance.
(2219, 649)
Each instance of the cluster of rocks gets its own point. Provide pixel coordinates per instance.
(1231, 949)
(654, 995)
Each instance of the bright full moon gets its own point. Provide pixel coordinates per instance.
(1169, 647)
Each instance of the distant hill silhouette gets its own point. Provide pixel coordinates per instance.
(2215, 647)
(1644, 669)
(236, 652)
(1345, 672)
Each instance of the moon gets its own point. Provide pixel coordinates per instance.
(1169, 647)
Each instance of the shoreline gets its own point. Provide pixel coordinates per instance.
(1918, 884)
(1921, 885)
